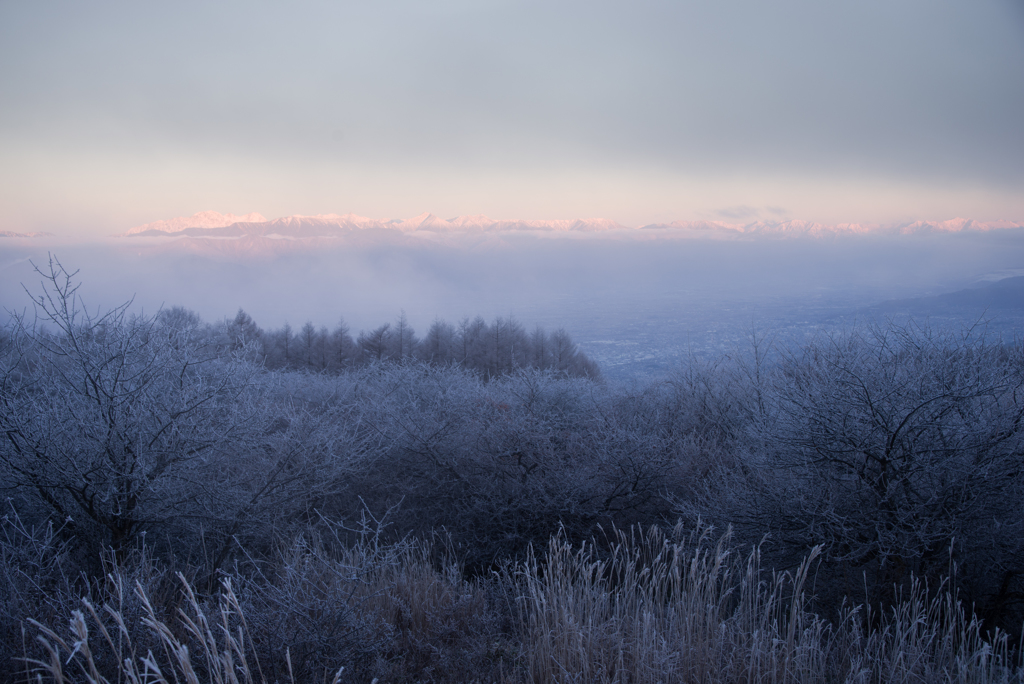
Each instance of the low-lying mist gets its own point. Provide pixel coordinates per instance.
(636, 306)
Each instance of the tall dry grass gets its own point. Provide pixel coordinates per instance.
(355, 614)
(637, 607)
(679, 607)
(216, 648)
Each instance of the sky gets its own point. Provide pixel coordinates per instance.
(114, 114)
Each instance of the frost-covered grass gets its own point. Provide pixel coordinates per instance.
(681, 607)
(643, 606)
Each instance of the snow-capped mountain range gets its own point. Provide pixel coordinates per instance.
(211, 224)
(204, 219)
(12, 234)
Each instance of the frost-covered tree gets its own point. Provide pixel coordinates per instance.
(897, 447)
(115, 424)
(376, 345)
(313, 348)
(438, 346)
(242, 330)
(344, 352)
(403, 340)
(540, 355)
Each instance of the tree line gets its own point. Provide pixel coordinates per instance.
(490, 349)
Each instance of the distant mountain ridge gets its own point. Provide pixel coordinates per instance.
(1004, 296)
(211, 224)
(203, 219)
(812, 229)
(12, 234)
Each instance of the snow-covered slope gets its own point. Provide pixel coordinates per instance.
(203, 219)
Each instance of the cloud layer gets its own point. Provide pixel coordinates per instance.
(116, 112)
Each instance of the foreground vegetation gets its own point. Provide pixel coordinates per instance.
(650, 607)
(178, 511)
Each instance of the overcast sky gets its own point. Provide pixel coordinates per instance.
(116, 114)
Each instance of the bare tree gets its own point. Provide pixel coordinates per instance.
(376, 344)
(179, 319)
(242, 330)
(896, 447)
(344, 353)
(313, 347)
(404, 339)
(112, 423)
(540, 355)
(280, 347)
(473, 343)
(439, 344)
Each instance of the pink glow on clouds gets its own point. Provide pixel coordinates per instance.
(206, 223)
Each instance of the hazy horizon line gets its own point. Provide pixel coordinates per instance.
(214, 219)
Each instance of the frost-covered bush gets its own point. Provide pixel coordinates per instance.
(898, 448)
(501, 464)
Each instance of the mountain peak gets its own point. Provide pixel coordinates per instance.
(202, 219)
